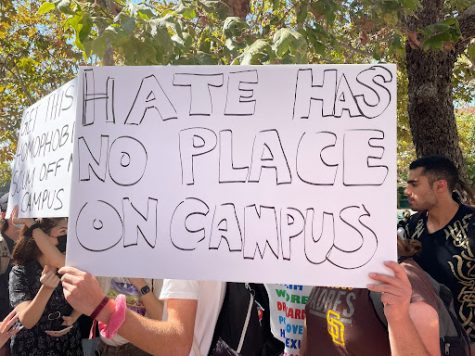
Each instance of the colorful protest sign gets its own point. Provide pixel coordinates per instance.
(287, 314)
(278, 174)
(41, 175)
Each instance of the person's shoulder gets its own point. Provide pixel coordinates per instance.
(410, 266)
(415, 225)
(423, 289)
(416, 275)
(418, 215)
(467, 209)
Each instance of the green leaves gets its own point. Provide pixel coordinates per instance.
(233, 26)
(208, 32)
(81, 23)
(188, 12)
(40, 57)
(410, 5)
(259, 52)
(301, 10)
(440, 34)
(289, 45)
(45, 8)
(65, 7)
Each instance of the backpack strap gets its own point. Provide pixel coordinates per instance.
(378, 307)
(250, 308)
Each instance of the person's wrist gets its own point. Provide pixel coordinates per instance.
(99, 307)
(116, 318)
(106, 312)
(31, 229)
(399, 319)
(139, 286)
(48, 288)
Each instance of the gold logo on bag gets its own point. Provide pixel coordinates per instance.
(336, 328)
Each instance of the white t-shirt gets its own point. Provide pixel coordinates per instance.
(210, 296)
(115, 286)
(287, 314)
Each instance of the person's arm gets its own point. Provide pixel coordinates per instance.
(171, 337)
(153, 306)
(54, 256)
(7, 328)
(29, 312)
(413, 327)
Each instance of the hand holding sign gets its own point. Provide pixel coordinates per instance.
(14, 219)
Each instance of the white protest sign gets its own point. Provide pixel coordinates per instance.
(260, 173)
(41, 176)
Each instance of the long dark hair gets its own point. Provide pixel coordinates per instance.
(26, 249)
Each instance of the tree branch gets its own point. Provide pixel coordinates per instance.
(467, 28)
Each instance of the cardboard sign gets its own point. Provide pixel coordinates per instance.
(278, 174)
(41, 176)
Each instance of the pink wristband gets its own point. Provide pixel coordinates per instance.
(116, 320)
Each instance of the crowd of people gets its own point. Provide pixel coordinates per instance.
(44, 299)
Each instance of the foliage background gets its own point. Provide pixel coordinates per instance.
(43, 43)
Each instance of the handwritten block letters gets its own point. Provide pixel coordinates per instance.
(266, 173)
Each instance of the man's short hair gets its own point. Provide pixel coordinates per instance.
(437, 167)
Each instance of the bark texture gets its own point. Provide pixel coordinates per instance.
(430, 107)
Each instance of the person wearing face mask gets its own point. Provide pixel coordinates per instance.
(56, 254)
(8, 236)
(49, 321)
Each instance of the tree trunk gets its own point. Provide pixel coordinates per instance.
(430, 105)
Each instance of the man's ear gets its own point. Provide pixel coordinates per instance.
(3, 214)
(440, 185)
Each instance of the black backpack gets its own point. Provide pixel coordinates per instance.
(454, 341)
(243, 326)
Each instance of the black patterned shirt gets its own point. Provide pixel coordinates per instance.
(24, 285)
(448, 256)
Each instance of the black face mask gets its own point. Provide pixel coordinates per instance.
(62, 240)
